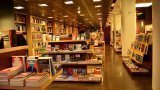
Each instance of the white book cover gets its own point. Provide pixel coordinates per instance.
(19, 61)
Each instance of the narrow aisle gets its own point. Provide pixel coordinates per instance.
(115, 77)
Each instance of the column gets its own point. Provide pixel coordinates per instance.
(6, 15)
(156, 45)
(128, 12)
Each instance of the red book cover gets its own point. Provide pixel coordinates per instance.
(19, 61)
(70, 71)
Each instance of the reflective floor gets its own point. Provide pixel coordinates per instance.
(115, 77)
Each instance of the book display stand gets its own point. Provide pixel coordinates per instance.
(139, 59)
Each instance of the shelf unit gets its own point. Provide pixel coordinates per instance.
(38, 27)
(81, 64)
(139, 59)
(43, 87)
(49, 27)
(21, 23)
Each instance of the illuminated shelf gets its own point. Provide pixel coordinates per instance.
(17, 22)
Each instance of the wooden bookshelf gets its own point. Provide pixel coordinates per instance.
(64, 41)
(43, 87)
(79, 63)
(5, 50)
(38, 26)
(21, 23)
(68, 52)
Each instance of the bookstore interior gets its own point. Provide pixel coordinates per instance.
(47, 41)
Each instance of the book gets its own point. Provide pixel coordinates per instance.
(10, 71)
(20, 77)
(31, 65)
(58, 58)
(19, 61)
(44, 65)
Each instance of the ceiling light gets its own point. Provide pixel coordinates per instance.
(19, 7)
(65, 16)
(86, 19)
(99, 18)
(96, 0)
(79, 12)
(143, 4)
(50, 17)
(97, 6)
(99, 13)
(112, 5)
(43, 5)
(68, 2)
(53, 10)
(81, 15)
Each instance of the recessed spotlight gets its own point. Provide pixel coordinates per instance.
(96, 0)
(81, 15)
(19, 7)
(112, 5)
(61, 20)
(53, 10)
(79, 12)
(99, 13)
(97, 6)
(68, 2)
(50, 17)
(143, 4)
(65, 16)
(86, 19)
(43, 5)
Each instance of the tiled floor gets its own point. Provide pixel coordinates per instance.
(115, 77)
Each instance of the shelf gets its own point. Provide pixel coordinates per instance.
(69, 52)
(20, 31)
(135, 71)
(17, 22)
(37, 39)
(5, 50)
(38, 24)
(43, 87)
(37, 32)
(79, 63)
(61, 41)
(49, 26)
(71, 79)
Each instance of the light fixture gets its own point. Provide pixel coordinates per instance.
(50, 17)
(97, 6)
(68, 2)
(143, 4)
(65, 16)
(86, 19)
(53, 10)
(112, 5)
(19, 7)
(43, 5)
(96, 0)
(81, 15)
(99, 13)
(79, 12)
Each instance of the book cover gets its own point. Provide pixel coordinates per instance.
(67, 57)
(70, 71)
(21, 76)
(19, 61)
(58, 58)
(32, 65)
(44, 65)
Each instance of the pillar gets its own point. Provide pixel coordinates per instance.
(128, 12)
(6, 15)
(156, 45)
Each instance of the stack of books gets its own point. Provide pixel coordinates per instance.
(8, 73)
(37, 80)
(19, 80)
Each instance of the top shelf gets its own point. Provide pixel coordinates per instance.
(61, 41)
(5, 50)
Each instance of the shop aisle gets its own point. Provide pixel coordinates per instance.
(115, 78)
